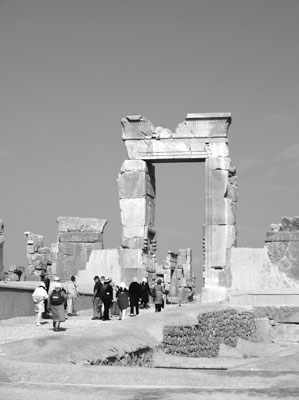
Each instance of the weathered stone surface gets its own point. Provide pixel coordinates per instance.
(69, 224)
(232, 188)
(134, 165)
(285, 333)
(221, 163)
(133, 243)
(263, 330)
(134, 231)
(217, 183)
(85, 237)
(104, 262)
(290, 223)
(35, 239)
(132, 258)
(219, 150)
(282, 236)
(252, 269)
(136, 127)
(135, 184)
(209, 124)
(44, 250)
(219, 240)
(133, 211)
(222, 212)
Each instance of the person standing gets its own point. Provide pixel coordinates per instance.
(39, 296)
(44, 278)
(96, 301)
(157, 293)
(57, 299)
(134, 293)
(106, 297)
(122, 300)
(72, 291)
(144, 293)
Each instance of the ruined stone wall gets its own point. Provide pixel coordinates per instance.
(282, 244)
(77, 237)
(38, 256)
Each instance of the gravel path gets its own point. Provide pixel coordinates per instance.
(16, 329)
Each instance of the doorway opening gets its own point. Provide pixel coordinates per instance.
(180, 202)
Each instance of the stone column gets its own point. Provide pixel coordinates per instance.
(219, 226)
(137, 192)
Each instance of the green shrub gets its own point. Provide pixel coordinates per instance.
(213, 328)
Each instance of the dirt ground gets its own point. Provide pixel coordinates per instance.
(37, 363)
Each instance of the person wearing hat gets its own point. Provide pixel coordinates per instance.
(106, 297)
(122, 299)
(39, 296)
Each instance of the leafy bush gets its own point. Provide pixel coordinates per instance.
(213, 328)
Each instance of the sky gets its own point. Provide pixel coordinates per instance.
(71, 69)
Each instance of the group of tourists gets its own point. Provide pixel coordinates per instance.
(53, 301)
(57, 302)
(114, 300)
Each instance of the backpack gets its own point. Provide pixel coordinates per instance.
(56, 298)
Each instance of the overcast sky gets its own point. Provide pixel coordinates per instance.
(71, 69)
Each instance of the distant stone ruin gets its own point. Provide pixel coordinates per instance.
(243, 276)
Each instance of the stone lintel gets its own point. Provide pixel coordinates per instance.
(85, 237)
(70, 224)
(220, 115)
(282, 236)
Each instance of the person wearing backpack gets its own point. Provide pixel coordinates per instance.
(39, 296)
(57, 299)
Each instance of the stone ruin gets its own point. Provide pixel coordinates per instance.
(238, 275)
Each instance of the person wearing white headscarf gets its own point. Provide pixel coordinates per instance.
(122, 299)
(39, 296)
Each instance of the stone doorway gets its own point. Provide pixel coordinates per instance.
(200, 138)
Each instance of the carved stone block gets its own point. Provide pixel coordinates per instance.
(221, 211)
(220, 238)
(69, 224)
(133, 211)
(85, 237)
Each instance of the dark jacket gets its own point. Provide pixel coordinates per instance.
(106, 292)
(145, 291)
(123, 298)
(134, 290)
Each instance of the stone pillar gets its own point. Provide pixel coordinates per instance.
(1, 248)
(77, 237)
(137, 192)
(219, 226)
